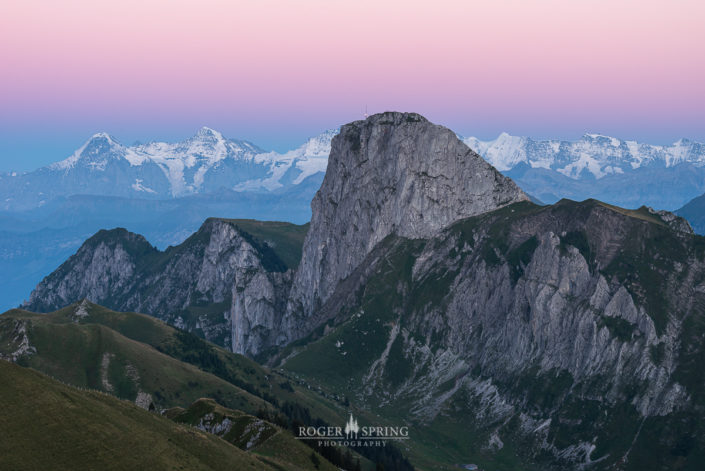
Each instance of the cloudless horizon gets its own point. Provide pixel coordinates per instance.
(275, 72)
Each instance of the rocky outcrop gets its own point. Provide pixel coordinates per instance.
(673, 221)
(393, 173)
(222, 282)
(15, 340)
(258, 304)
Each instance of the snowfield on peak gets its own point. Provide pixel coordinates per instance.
(204, 163)
(625, 173)
(595, 166)
(596, 154)
(294, 166)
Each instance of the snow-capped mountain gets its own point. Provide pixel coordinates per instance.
(625, 173)
(595, 154)
(203, 163)
(294, 166)
(184, 164)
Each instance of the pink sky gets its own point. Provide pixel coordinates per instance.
(278, 71)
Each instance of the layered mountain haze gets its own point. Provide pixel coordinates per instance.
(429, 290)
(165, 190)
(161, 190)
(694, 212)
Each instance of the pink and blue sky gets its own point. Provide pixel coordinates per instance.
(278, 71)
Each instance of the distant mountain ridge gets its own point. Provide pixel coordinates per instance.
(596, 154)
(162, 190)
(204, 163)
(622, 172)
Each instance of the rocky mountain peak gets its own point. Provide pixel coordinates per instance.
(100, 144)
(319, 146)
(207, 133)
(672, 220)
(94, 153)
(393, 173)
(103, 137)
(119, 236)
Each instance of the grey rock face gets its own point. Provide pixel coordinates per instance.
(215, 282)
(546, 326)
(673, 221)
(259, 301)
(393, 173)
(104, 267)
(17, 341)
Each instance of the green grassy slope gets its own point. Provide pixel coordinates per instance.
(92, 355)
(48, 425)
(70, 348)
(180, 366)
(250, 433)
(173, 366)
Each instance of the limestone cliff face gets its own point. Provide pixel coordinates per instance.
(393, 173)
(103, 268)
(573, 329)
(221, 282)
(259, 301)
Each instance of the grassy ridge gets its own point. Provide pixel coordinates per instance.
(92, 355)
(176, 364)
(48, 425)
(237, 377)
(248, 432)
(175, 367)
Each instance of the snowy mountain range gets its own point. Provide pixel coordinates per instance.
(204, 163)
(625, 173)
(621, 172)
(593, 154)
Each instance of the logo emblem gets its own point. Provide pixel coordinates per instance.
(352, 434)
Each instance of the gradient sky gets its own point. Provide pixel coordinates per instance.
(278, 71)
